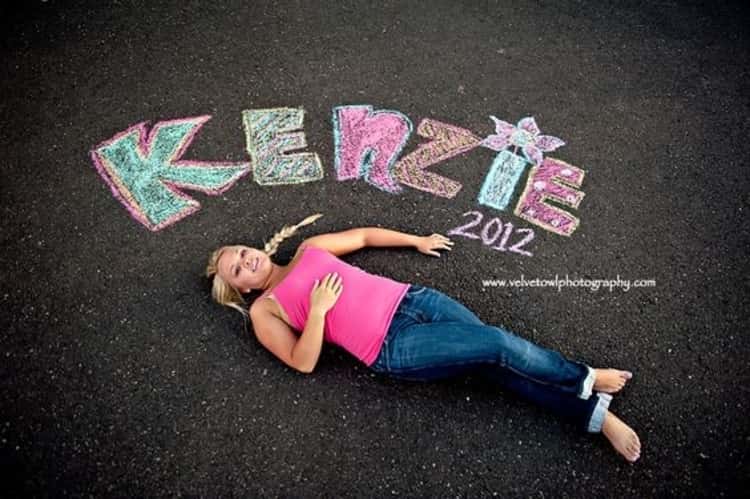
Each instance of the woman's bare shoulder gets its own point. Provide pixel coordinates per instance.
(301, 248)
(259, 303)
(266, 302)
(297, 253)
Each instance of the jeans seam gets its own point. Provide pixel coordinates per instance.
(555, 385)
(414, 315)
(489, 361)
(453, 364)
(411, 312)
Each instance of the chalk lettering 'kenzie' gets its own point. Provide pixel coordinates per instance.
(145, 173)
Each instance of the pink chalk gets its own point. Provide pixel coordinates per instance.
(446, 141)
(368, 143)
(552, 179)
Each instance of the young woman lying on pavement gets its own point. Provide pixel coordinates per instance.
(402, 330)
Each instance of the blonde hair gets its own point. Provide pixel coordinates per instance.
(224, 293)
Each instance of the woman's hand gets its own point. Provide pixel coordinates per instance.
(325, 293)
(427, 244)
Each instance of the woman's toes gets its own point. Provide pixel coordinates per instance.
(611, 380)
(635, 448)
(622, 437)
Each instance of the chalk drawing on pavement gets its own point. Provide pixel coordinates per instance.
(368, 143)
(501, 180)
(271, 135)
(507, 168)
(446, 141)
(144, 171)
(525, 135)
(493, 230)
(551, 180)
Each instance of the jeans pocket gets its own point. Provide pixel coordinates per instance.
(416, 289)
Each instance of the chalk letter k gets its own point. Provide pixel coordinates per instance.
(145, 173)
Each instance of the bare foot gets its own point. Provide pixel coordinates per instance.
(622, 437)
(610, 380)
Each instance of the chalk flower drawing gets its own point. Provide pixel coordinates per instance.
(525, 135)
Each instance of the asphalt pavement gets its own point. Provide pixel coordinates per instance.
(119, 376)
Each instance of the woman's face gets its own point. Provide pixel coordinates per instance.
(244, 268)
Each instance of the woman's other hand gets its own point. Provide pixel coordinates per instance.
(428, 244)
(325, 293)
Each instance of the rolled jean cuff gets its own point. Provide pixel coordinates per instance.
(600, 410)
(588, 384)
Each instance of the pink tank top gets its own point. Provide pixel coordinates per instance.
(359, 320)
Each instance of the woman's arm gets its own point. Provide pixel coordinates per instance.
(323, 297)
(349, 241)
(424, 244)
(306, 351)
(376, 237)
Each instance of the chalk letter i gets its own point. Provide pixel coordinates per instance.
(501, 180)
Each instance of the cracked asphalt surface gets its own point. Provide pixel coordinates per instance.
(120, 378)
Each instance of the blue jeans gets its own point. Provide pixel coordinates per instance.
(432, 336)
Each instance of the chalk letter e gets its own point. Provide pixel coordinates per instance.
(547, 181)
(270, 133)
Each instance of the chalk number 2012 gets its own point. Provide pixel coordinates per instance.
(493, 230)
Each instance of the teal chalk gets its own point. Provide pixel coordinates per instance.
(501, 180)
(272, 136)
(149, 182)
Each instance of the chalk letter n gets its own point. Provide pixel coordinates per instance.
(368, 143)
